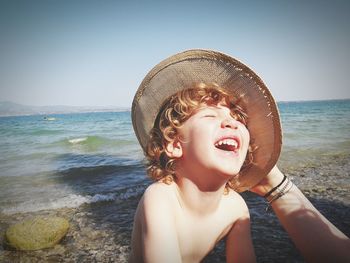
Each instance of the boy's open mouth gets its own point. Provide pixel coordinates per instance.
(227, 144)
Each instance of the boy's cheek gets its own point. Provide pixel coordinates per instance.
(246, 135)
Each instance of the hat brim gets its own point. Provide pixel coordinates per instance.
(191, 67)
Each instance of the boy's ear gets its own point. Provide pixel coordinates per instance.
(174, 149)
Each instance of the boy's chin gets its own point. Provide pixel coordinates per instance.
(231, 169)
(230, 173)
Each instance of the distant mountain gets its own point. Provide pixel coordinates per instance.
(8, 108)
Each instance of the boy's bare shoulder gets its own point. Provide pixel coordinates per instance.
(158, 196)
(235, 197)
(155, 209)
(159, 190)
(235, 203)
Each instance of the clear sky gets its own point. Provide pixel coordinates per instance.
(96, 53)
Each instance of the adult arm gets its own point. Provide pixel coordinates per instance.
(316, 238)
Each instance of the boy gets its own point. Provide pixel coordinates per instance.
(199, 144)
(187, 119)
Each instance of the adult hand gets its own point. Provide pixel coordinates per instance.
(273, 178)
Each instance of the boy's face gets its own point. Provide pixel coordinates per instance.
(212, 140)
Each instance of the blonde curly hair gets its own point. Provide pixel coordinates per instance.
(173, 113)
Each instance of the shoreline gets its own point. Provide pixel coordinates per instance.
(102, 231)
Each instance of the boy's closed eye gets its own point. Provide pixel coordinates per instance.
(209, 116)
(208, 113)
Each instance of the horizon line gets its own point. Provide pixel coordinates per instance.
(129, 107)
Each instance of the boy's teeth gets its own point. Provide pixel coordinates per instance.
(227, 142)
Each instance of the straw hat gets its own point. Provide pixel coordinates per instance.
(185, 69)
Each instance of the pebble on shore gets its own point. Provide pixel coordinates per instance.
(37, 233)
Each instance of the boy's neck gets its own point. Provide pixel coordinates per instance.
(198, 201)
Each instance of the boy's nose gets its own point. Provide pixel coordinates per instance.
(229, 123)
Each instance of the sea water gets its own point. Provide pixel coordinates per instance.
(69, 160)
(89, 168)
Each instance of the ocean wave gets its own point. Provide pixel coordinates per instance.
(94, 142)
(73, 201)
(70, 201)
(77, 140)
(95, 168)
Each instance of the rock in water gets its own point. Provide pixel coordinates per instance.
(37, 233)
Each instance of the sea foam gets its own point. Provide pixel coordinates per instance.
(70, 201)
(77, 140)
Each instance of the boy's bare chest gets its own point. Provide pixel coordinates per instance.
(198, 236)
